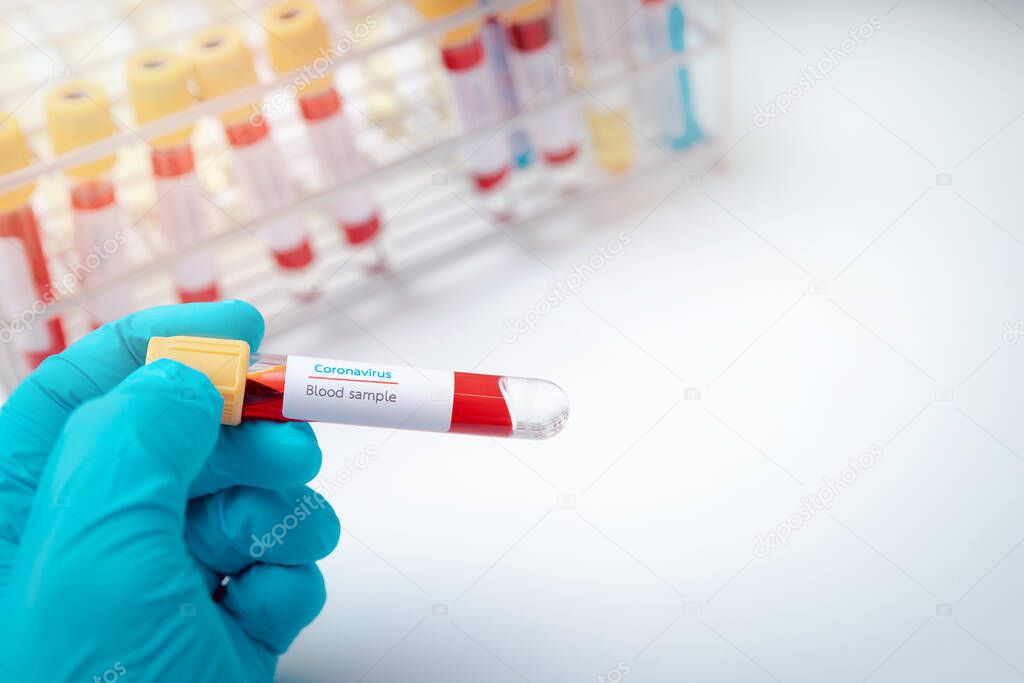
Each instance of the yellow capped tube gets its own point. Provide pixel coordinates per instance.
(24, 275)
(262, 386)
(14, 156)
(77, 114)
(222, 65)
(477, 100)
(298, 43)
(225, 362)
(297, 40)
(158, 87)
(432, 10)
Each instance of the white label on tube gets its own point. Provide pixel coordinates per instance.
(479, 106)
(346, 392)
(21, 304)
(538, 82)
(99, 241)
(260, 171)
(339, 161)
(180, 211)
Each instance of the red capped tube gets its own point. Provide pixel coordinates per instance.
(158, 86)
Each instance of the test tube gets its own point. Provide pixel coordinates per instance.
(497, 50)
(599, 50)
(258, 386)
(158, 86)
(378, 71)
(535, 66)
(25, 286)
(78, 114)
(664, 31)
(474, 91)
(298, 43)
(223, 64)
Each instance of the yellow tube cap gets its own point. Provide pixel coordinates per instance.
(14, 156)
(297, 40)
(157, 87)
(225, 362)
(77, 114)
(222, 64)
(526, 11)
(433, 10)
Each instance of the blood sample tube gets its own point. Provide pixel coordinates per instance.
(297, 388)
(222, 64)
(25, 286)
(157, 87)
(78, 114)
(664, 34)
(599, 50)
(477, 98)
(298, 43)
(534, 61)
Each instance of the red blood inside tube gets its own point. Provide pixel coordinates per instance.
(247, 132)
(479, 406)
(172, 162)
(90, 195)
(321, 105)
(463, 56)
(197, 296)
(531, 35)
(264, 395)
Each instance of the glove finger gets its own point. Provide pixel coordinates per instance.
(32, 418)
(263, 454)
(121, 471)
(272, 604)
(235, 528)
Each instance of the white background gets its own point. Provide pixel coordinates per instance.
(715, 292)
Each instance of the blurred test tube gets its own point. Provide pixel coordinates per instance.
(223, 64)
(77, 114)
(598, 47)
(298, 43)
(158, 86)
(26, 291)
(378, 71)
(664, 31)
(497, 56)
(539, 77)
(476, 97)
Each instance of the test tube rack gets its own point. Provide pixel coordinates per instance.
(430, 213)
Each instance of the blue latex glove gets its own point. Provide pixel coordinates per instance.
(123, 502)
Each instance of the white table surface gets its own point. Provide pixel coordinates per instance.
(653, 569)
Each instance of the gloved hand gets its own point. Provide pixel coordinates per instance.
(123, 502)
